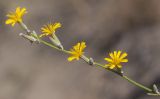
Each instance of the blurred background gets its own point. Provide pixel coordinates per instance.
(30, 71)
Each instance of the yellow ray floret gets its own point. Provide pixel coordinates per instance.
(115, 60)
(49, 29)
(16, 17)
(77, 51)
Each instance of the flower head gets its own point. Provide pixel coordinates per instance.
(16, 17)
(116, 59)
(49, 29)
(77, 51)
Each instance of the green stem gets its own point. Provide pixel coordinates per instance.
(42, 41)
(48, 44)
(138, 84)
(104, 67)
(95, 63)
(128, 79)
(24, 27)
(98, 64)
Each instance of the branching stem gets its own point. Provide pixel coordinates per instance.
(149, 90)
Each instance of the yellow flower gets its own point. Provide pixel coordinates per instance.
(49, 29)
(116, 59)
(77, 51)
(16, 17)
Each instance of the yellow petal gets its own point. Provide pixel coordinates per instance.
(108, 59)
(9, 21)
(73, 52)
(23, 11)
(42, 35)
(112, 66)
(44, 30)
(118, 54)
(119, 66)
(124, 60)
(123, 55)
(77, 51)
(111, 55)
(115, 54)
(13, 24)
(82, 46)
(11, 15)
(76, 47)
(49, 29)
(57, 25)
(71, 58)
(18, 9)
